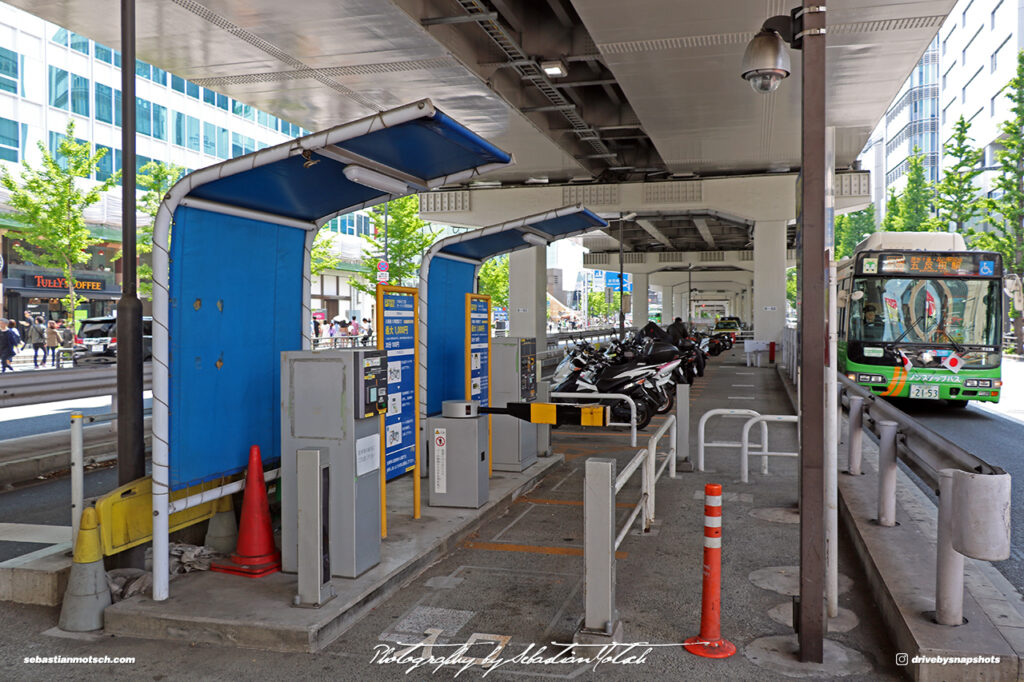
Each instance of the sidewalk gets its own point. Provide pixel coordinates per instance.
(516, 580)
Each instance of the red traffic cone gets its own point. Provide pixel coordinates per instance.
(255, 555)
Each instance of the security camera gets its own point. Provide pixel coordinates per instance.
(766, 61)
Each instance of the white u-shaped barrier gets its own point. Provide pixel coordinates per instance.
(764, 453)
(701, 443)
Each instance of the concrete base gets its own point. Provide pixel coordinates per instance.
(40, 577)
(255, 613)
(587, 643)
(781, 654)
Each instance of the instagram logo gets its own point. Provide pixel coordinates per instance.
(902, 659)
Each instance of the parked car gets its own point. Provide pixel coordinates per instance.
(727, 325)
(736, 320)
(96, 341)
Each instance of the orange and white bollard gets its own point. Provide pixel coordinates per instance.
(710, 643)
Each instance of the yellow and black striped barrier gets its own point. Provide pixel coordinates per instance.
(552, 413)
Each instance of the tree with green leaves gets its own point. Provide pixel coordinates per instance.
(322, 256)
(791, 287)
(1006, 215)
(493, 280)
(916, 200)
(408, 236)
(956, 197)
(50, 201)
(892, 222)
(156, 178)
(851, 228)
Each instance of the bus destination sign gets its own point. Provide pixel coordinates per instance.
(917, 263)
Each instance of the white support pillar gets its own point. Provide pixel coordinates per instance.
(769, 280)
(668, 310)
(679, 302)
(639, 300)
(527, 295)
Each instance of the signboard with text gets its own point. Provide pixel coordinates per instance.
(397, 334)
(478, 347)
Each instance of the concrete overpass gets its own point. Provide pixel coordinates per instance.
(639, 114)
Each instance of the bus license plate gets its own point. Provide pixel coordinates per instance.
(924, 391)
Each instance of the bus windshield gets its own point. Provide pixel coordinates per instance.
(928, 311)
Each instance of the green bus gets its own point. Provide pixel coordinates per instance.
(920, 316)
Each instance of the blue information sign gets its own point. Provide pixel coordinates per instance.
(396, 328)
(478, 346)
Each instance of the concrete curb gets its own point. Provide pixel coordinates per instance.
(26, 458)
(903, 585)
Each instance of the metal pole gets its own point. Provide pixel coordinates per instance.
(682, 422)
(811, 227)
(689, 293)
(77, 475)
(131, 456)
(949, 563)
(831, 451)
(887, 473)
(622, 315)
(386, 206)
(599, 544)
(855, 434)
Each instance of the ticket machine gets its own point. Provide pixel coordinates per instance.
(514, 377)
(331, 401)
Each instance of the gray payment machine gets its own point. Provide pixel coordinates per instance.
(458, 456)
(332, 401)
(514, 380)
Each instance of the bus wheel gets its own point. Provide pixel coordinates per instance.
(959, 404)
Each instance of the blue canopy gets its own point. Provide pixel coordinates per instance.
(231, 290)
(448, 273)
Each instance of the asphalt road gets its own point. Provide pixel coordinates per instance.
(995, 433)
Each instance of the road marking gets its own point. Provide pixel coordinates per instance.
(743, 385)
(749, 373)
(531, 549)
(741, 397)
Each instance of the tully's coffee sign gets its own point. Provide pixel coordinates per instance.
(47, 282)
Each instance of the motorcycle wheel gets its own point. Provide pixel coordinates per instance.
(644, 413)
(669, 404)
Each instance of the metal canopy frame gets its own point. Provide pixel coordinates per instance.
(484, 243)
(299, 185)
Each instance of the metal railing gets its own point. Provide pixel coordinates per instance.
(728, 414)
(790, 354)
(44, 386)
(600, 541)
(974, 496)
(764, 453)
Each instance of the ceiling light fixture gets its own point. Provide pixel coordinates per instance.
(534, 239)
(375, 180)
(554, 68)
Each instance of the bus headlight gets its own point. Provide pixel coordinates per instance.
(978, 383)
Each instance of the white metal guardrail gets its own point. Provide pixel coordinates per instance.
(600, 541)
(974, 496)
(729, 414)
(616, 396)
(764, 453)
(51, 385)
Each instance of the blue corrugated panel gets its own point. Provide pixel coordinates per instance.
(228, 326)
(448, 282)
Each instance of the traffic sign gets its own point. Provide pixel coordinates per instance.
(382, 277)
(382, 266)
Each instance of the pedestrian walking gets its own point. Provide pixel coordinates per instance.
(52, 343)
(36, 335)
(9, 340)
